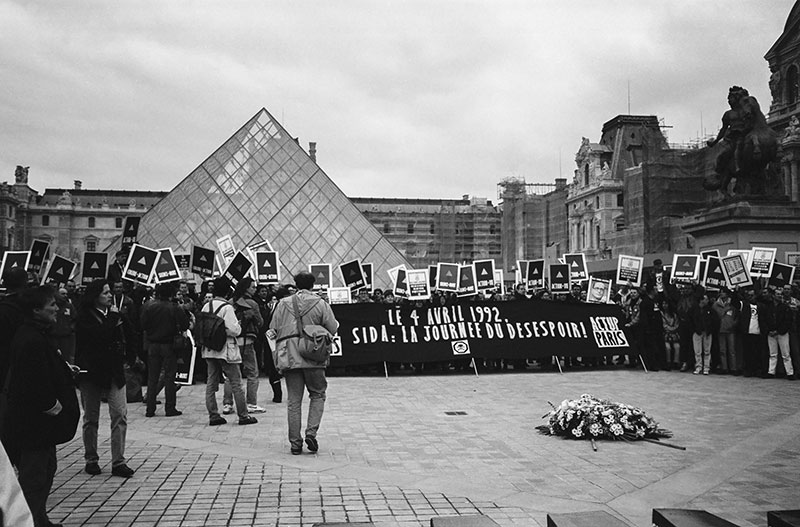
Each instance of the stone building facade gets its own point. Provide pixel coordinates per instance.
(72, 220)
(428, 231)
(534, 220)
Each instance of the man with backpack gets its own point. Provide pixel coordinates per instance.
(216, 329)
(302, 326)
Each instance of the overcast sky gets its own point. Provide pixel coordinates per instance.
(429, 98)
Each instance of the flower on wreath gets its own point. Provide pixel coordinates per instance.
(616, 429)
(595, 429)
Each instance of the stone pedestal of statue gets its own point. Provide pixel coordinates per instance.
(746, 222)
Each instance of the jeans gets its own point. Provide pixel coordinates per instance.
(215, 369)
(249, 372)
(117, 409)
(159, 355)
(297, 380)
(702, 352)
(727, 352)
(779, 341)
(37, 468)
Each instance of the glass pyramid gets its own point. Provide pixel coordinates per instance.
(261, 185)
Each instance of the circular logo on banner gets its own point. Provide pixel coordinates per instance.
(460, 347)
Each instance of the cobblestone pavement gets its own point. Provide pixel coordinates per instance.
(390, 454)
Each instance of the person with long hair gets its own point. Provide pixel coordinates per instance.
(100, 351)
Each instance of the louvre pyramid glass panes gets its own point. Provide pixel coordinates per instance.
(261, 185)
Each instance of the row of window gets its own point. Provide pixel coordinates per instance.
(92, 221)
(387, 229)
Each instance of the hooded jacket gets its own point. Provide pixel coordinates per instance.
(316, 310)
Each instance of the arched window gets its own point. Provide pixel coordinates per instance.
(45, 220)
(586, 174)
(791, 85)
(91, 222)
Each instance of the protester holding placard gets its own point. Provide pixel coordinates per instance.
(727, 315)
(100, 351)
(779, 321)
(15, 281)
(672, 340)
(162, 321)
(754, 346)
(703, 328)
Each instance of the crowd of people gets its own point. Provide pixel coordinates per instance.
(120, 335)
(109, 337)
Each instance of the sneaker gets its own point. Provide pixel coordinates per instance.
(216, 421)
(255, 409)
(297, 451)
(92, 468)
(311, 443)
(684, 367)
(123, 471)
(705, 372)
(227, 409)
(791, 377)
(697, 371)
(249, 420)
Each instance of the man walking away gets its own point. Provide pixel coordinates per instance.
(299, 372)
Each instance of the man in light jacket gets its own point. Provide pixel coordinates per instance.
(220, 361)
(300, 373)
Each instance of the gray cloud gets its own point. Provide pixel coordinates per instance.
(409, 99)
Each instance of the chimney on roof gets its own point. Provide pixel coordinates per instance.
(561, 183)
(78, 184)
(312, 151)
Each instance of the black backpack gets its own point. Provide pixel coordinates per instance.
(209, 329)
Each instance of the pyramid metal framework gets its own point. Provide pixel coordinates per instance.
(261, 185)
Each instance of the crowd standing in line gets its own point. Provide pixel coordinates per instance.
(122, 334)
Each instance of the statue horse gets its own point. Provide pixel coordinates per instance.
(758, 166)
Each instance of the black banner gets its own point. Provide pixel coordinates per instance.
(525, 329)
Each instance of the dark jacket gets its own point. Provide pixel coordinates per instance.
(777, 317)
(161, 320)
(702, 319)
(39, 377)
(744, 317)
(10, 320)
(100, 347)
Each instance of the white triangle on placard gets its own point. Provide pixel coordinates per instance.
(143, 261)
(535, 271)
(164, 261)
(352, 272)
(559, 275)
(574, 263)
(203, 258)
(484, 272)
(321, 275)
(686, 263)
(94, 265)
(449, 274)
(14, 265)
(780, 276)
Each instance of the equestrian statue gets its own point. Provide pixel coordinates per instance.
(748, 149)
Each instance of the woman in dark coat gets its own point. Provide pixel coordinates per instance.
(43, 409)
(100, 351)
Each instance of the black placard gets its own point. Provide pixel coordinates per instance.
(202, 261)
(94, 267)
